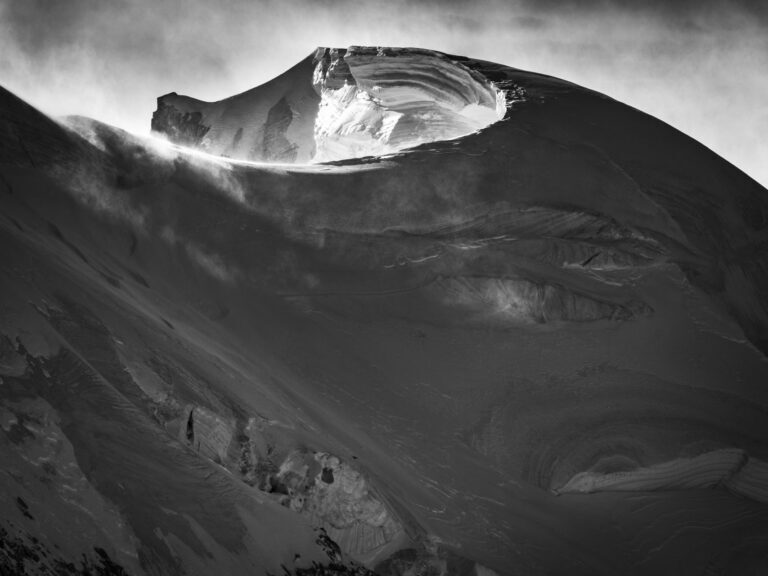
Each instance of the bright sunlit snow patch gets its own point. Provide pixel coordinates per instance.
(375, 104)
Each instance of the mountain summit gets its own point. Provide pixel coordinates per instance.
(337, 104)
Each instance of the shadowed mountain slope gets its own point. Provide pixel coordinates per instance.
(535, 348)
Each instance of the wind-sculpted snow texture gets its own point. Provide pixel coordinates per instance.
(537, 348)
(378, 101)
(730, 468)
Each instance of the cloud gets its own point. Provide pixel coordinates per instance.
(701, 65)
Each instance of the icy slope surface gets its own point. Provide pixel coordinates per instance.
(272, 123)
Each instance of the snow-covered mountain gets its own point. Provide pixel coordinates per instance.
(339, 104)
(447, 317)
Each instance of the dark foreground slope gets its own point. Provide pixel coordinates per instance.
(536, 349)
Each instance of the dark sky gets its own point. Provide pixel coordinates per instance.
(699, 65)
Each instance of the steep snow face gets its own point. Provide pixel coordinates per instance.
(270, 123)
(378, 101)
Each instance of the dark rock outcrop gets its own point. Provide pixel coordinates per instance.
(183, 127)
(276, 147)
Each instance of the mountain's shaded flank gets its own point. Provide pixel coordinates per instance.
(509, 326)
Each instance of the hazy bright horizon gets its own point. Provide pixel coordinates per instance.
(700, 66)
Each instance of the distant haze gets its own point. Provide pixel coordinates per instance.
(701, 66)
